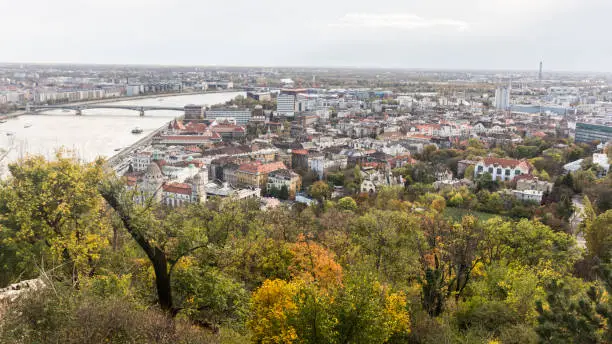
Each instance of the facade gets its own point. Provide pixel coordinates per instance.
(194, 112)
(285, 105)
(527, 182)
(502, 169)
(586, 132)
(502, 98)
(255, 174)
(141, 161)
(322, 164)
(242, 116)
(151, 186)
(528, 195)
(291, 180)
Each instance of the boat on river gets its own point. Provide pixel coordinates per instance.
(137, 130)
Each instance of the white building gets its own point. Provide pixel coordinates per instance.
(502, 169)
(141, 161)
(285, 105)
(242, 116)
(528, 195)
(502, 98)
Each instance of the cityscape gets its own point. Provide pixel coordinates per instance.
(323, 172)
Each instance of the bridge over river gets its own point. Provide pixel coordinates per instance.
(78, 109)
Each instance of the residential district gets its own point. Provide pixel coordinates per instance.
(357, 130)
(511, 136)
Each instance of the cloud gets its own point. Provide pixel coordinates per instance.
(401, 21)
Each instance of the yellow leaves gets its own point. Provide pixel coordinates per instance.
(397, 317)
(312, 262)
(271, 306)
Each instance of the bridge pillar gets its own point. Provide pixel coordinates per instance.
(142, 113)
(27, 109)
(78, 112)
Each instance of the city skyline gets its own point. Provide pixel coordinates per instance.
(472, 34)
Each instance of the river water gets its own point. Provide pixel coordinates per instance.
(98, 132)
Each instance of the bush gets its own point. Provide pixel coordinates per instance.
(67, 316)
(490, 315)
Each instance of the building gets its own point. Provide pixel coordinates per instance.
(255, 174)
(289, 179)
(602, 161)
(502, 169)
(586, 132)
(151, 185)
(226, 190)
(242, 116)
(260, 96)
(229, 131)
(322, 164)
(528, 195)
(527, 182)
(502, 98)
(285, 105)
(141, 161)
(194, 112)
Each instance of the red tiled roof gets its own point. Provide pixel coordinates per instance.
(300, 151)
(178, 188)
(506, 162)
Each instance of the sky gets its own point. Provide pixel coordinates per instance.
(567, 35)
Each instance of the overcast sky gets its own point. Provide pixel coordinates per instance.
(450, 34)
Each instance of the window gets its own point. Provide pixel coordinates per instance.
(480, 168)
(507, 172)
(499, 171)
(517, 172)
(491, 170)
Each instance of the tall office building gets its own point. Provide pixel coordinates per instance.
(540, 74)
(285, 104)
(586, 132)
(502, 98)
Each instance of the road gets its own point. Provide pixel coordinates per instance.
(576, 219)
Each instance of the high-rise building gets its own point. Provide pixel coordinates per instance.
(540, 74)
(502, 98)
(285, 104)
(586, 132)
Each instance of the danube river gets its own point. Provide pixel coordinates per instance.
(98, 132)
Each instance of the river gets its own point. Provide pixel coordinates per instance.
(98, 132)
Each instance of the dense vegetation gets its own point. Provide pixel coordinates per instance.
(393, 267)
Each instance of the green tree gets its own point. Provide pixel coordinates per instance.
(598, 235)
(347, 203)
(320, 191)
(52, 212)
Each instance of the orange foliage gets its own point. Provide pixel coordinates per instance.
(313, 263)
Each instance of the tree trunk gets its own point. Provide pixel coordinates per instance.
(162, 280)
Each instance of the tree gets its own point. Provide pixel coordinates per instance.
(320, 191)
(165, 241)
(272, 306)
(598, 235)
(469, 172)
(347, 203)
(51, 212)
(563, 320)
(283, 193)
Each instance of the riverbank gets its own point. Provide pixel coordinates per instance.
(121, 161)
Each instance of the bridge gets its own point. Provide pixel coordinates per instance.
(78, 109)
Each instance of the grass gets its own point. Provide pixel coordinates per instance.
(457, 213)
